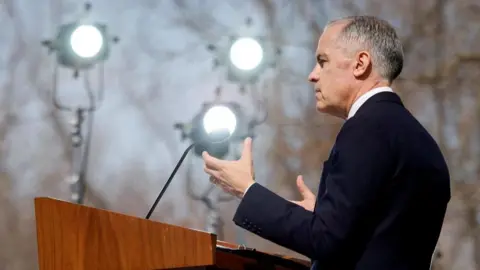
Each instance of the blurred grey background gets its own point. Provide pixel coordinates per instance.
(161, 72)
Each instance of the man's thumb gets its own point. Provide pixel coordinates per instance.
(302, 188)
(300, 184)
(247, 149)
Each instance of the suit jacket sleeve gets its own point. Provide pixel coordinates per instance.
(362, 164)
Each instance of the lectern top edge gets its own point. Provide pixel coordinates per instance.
(115, 213)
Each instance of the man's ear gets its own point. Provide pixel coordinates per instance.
(363, 64)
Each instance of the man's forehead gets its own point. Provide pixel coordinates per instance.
(323, 43)
(328, 36)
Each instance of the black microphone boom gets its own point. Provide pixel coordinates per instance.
(169, 180)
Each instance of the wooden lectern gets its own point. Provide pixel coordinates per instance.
(77, 237)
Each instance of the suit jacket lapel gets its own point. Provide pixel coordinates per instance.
(325, 171)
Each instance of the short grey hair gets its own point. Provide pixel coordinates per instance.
(379, 38)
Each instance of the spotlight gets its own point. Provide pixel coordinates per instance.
(246, 53)
(214, 127)
(219, 118)
(86, 41)
(246, 59)
(80, 46)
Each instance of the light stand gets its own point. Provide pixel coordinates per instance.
(66, 55)
(211, 200)
(80, 142)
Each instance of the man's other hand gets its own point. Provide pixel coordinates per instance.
(308, 198)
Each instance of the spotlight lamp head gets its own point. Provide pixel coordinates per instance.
(219, 119)
(246, 58)
(81, 46)
(246, 54)
(214, 127)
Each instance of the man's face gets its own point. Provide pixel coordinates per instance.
(333, 74)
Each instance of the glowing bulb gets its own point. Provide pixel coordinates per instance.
(219, 118)
(86, 41)
(246, 53)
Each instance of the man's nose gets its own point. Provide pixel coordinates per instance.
(313, 77)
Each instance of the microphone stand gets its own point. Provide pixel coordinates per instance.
(169, 180)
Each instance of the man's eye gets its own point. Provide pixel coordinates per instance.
(321, 62)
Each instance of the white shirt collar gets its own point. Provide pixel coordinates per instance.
(359, 102)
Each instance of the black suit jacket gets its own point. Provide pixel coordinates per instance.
(382, 198)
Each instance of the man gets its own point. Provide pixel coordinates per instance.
(385, 186)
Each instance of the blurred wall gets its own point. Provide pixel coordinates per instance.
(161, 73)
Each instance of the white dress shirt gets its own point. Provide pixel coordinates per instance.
(357, 104)
(363, 98)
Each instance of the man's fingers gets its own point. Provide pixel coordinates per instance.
(303, 189)
(247, 155)
(211, 162)
(300, 184)
(213, 173)
(228, 189)
(247, 150)
(224, 186)
(213, 180)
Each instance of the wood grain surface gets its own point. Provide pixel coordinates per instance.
(76, 237)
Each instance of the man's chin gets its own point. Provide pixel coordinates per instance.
(328, 110)
(321, 108)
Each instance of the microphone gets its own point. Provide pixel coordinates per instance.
(169, 180)
(216, 138)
